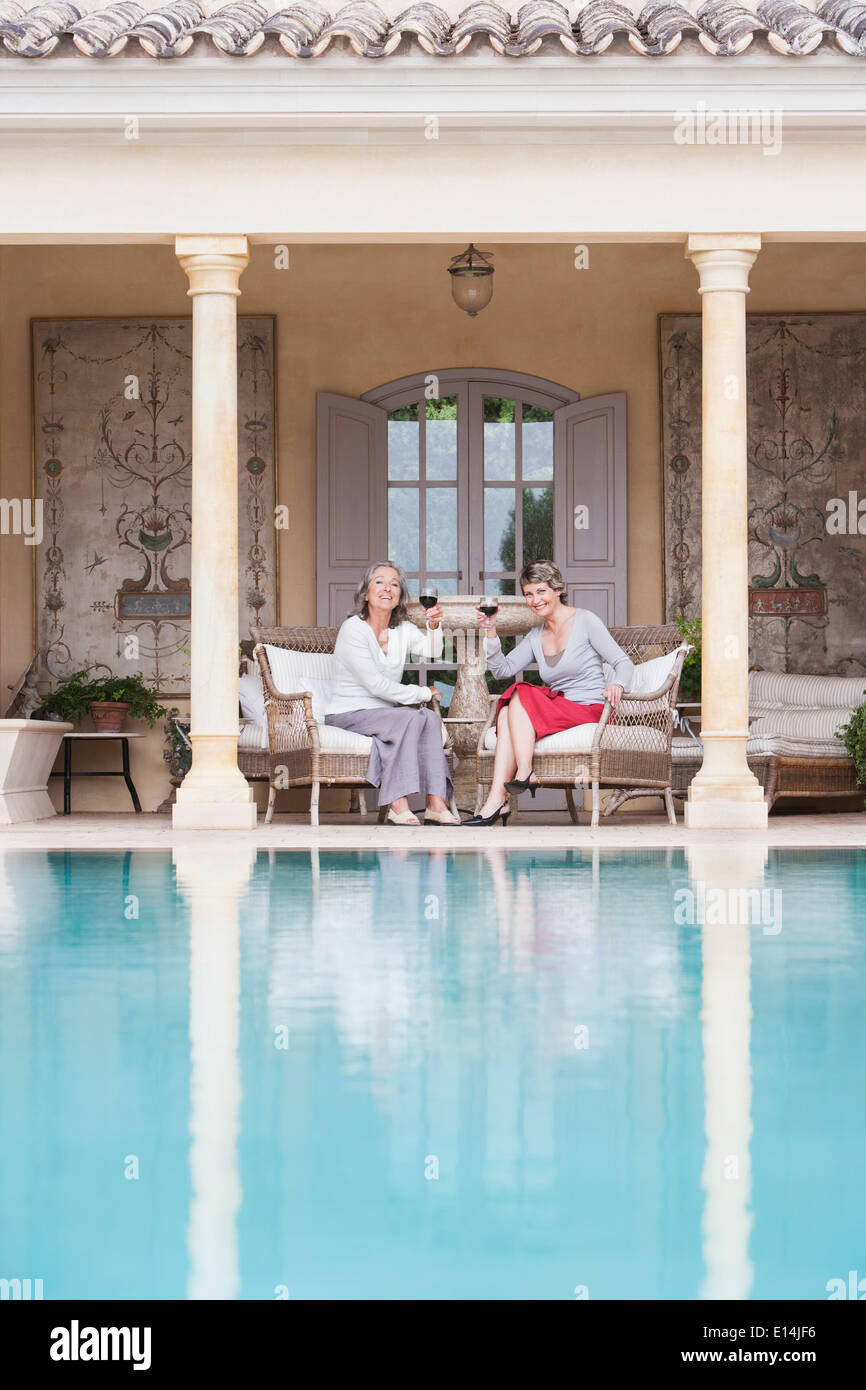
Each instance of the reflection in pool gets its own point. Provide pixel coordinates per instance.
(437, 1075)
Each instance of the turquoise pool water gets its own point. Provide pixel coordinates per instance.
(532, 1075)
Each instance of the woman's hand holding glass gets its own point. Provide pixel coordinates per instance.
(487, 609)
(434, 616)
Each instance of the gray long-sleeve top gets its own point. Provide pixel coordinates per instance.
(578, 673)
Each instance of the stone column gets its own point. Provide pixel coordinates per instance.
(214, 793)
(724, 793)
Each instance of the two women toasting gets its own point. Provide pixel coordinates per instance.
(368, 695)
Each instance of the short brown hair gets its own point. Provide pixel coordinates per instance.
(544, 572)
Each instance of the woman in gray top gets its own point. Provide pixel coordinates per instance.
(569, 646)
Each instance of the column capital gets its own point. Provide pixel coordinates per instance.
(213, 264)
(723, 260)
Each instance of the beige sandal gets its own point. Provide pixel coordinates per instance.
(404, 818)
(440, 818)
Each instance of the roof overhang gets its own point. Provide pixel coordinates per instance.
(339, 98)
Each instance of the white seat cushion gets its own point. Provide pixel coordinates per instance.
(579, 739)
(331, 739)
(651, 675)
(251, 694)
(335, 740)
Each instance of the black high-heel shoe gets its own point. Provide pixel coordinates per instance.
(514, 788)
(491, 820)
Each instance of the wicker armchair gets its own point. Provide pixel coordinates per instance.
(295, 755)
(631, 753)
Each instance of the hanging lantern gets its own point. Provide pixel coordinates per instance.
(472, 279)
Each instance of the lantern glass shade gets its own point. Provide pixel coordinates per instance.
(471, 279)
(472, 291)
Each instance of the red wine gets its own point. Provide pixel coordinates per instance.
(428, 600)
(488, 609)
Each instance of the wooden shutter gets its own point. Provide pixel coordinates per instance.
(589, 445)
(351, 504)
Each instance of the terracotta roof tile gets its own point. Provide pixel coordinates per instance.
(306, 29)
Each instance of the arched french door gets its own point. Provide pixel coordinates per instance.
(465, 475)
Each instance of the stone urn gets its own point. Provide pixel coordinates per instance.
(28, 748)
(470, 703)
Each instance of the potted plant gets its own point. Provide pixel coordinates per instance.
(853, 735)
(690, 679)
(108, 701)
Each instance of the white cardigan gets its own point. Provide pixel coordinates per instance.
(366, 677)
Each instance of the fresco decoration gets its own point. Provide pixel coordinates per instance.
(113, 439)
(806, 481)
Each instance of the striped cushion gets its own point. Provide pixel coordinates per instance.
(770, 690)
(782, 747)
(252, 735)
(810, 725)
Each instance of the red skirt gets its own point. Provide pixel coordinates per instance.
(549, 710)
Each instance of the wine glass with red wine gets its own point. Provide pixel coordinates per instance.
(489, 605)
(429, 596)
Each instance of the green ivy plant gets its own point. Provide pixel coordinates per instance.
(853, 735)
(72, 699)
(177, 752)
(690, 680)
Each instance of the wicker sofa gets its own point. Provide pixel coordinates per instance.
(630, 754)
(301, 750)
(792, 748)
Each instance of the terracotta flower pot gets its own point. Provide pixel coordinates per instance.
(108, 715)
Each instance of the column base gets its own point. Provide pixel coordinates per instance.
(726, 815)
(214, 815)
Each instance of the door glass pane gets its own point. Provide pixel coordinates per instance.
(441, 528)
(495, 587)
(498, 528)
(442, 439)
(403, 443)
(537, 444)
(498, 439)
(403, 526)
(537, 524)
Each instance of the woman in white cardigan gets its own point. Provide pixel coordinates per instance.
(367, 696)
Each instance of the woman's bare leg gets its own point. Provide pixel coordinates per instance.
(522, 737)
(504, 765)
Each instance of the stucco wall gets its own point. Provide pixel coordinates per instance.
(352, 317)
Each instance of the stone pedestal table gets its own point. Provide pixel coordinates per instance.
(470, 703)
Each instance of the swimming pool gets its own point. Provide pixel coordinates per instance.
(450, 1075)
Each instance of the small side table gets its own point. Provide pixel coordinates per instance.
(67, 774)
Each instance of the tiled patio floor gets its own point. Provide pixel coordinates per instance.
(548, 831)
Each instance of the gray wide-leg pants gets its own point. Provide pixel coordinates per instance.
(407, 754)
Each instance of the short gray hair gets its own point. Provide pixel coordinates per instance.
(362, 609)
(544, 572)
